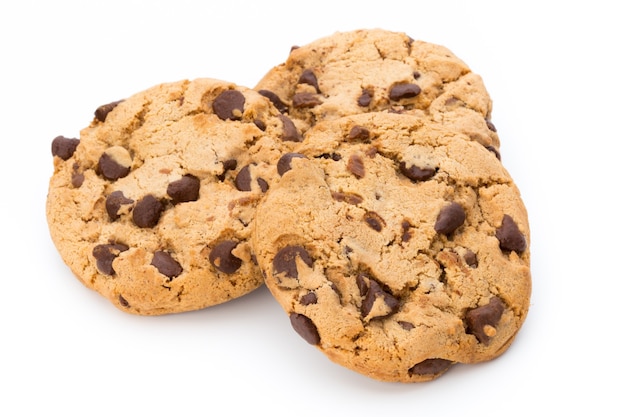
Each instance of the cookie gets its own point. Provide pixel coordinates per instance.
(396, 246)
(152, 205)
(372, 70)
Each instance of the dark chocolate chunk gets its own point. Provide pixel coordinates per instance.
(415, 173)
(406, 90)
(305, 327)
(430, 367)
(260, 124)
(450, 218)
(285, 260)
(365, 98)
(490, 125)
(309, 77)
(229, 105)
(228, 165)
(481, 321)
(509, 235)
(495, 151)
(105, 254)
(305, 100)
(123, 301)
(103, 111)
(185, 189)
(359, 133)
(356, 166)
(308, 298)
(166, 265)
(406, 231)
(374, 220)
(290, 131)
(114, 163)
(406, 325)
(147, 211)
(416, 74)
(470, 258)
(276, 101)
(222, 258)
(284, 163)
(114, 203)
(375, 292)
(350, 198)
(362, 282)
(64, 147)
(243, 180)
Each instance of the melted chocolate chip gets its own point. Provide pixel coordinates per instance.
(365, 98)
(308, 298)
(285, 260)
(374, 220)
(350, 198)
(356, 166)
(147, 211)
(114, 203)
(64, 147)
(184, 190)
(105, 255)
(430, 367)
(290, 131)
(415, 173)
(359, 133)
(243, 180)
(229, 105)
(166, 265)
(305, 100)
(450, 218)
(406, 325)
(509, 235)
(114, 163)
(400, 91)
(221, 257)
(481, 321)
(276, 101)
(309, 77)
(103, 111)
(374, 293)
(284, 163)
(305, 327)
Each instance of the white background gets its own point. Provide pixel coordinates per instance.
(555, 71)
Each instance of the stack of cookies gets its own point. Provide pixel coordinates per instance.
(360, 181)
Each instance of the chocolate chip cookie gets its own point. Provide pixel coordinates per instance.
(396, 246)
(152, 205)
(372, 70)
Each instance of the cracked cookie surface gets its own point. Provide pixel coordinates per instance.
(397, 247)
(152, 206)
(372, 70)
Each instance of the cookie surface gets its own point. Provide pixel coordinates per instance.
(152, 206)
(397, 247)
(377, 70)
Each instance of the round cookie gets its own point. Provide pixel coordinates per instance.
(377, 70)
(152, 206)
(397, 247)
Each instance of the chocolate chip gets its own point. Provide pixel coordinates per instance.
(285, 260)
(276, 101)
(147, 211)
(243, 180)
(305, 327)
(309, 77)
(495, 151)
(416, 74)
(105, 255)
(260, 124)
(470, 259)
(406, 325)
(64, 147)
(362, 283)
(365, 98)
(415, 173)
(490, 125)
(308, 298)
(228, 165)
(332, 155)
(406, 231)
(290, 131)
(284, 163)
(350, 198)
(229, 105)
(123, 302)
(185, 189)
(77, 177)
(374, 220)
(450, 218)
(305, 100)
(509, 235)
(374, 293)
(482, 321)
(114, 163)
(356, 166)
(430, 367)
(359, 133)
(166, 265)
(221, 257)
(103, 111)
(114, 203)
(406, 90)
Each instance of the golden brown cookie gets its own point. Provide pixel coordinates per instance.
(396, 246)
(152, 206)
(372, 70)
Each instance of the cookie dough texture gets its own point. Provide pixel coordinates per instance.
(396, 246)
(372, 70)
(152, 205)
